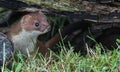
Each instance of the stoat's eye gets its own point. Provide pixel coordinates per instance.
(37, 24)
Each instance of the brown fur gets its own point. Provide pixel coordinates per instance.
(43, 49)
(33, 18)
(28, 23)
(54, 40)
(14, 30)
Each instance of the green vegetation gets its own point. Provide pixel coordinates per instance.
(67, 60)
(62, 5)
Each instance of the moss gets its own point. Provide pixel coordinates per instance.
(61, 5)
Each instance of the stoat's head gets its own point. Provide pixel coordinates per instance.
(35, 22)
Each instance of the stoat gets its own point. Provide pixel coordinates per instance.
(24, 34)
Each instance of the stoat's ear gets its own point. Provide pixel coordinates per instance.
(25, 19)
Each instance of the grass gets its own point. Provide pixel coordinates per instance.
(67, 60)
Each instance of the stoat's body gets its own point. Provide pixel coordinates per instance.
(24, 34)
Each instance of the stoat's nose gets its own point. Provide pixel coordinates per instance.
(44, 27)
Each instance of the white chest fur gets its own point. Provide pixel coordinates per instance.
(25, 41)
